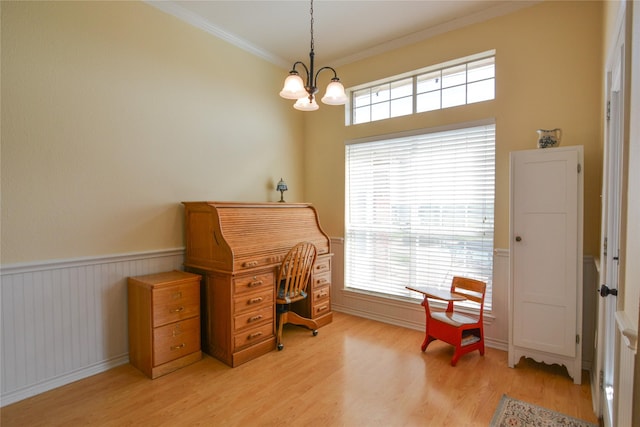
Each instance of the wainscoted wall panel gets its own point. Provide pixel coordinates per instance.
(66, 320)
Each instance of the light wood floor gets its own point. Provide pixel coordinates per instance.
(356, 372)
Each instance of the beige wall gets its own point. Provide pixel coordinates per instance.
(114, 112)
(548, 73)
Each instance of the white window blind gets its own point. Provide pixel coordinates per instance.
(419, 210)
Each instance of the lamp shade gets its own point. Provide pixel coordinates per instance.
(335, 94)
(304, 104)
(281, 186)
(293, 87)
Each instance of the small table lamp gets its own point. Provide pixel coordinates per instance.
(281, 187)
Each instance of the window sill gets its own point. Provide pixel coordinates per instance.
(407, 303)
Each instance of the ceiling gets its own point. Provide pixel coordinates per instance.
(344, 30)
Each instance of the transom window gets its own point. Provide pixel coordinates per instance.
(420, 210)
(461, 82)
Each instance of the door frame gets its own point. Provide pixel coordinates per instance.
(611, 222)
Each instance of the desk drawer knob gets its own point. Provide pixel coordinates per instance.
(255, 318)
(255, 300)
(255, 283)
(178, 347)
(254, 335)
(177, 310)
(251, 264)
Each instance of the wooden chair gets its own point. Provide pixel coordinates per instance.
(293, 278)
(462, 330)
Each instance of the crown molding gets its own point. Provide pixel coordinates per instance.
(485, 15)
(173, 8)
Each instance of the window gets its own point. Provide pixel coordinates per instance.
(419, 210)
(461, 82)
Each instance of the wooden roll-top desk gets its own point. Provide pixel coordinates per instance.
(237, 248)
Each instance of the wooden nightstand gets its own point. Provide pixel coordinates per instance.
(164, 321)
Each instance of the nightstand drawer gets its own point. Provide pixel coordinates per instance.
(173, 303)
(176, 340)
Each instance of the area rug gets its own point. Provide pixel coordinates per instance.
(516, 413)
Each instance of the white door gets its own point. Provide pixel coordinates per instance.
(546, 237)
(606, 386)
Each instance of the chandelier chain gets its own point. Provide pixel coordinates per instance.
(311, 11)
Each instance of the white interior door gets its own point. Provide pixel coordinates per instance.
(546, 237)
(611, 218)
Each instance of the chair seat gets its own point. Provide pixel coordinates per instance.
(455, 319)
(290, 297)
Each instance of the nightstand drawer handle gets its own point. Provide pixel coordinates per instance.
(177, 310)
(178, 347)
(254, 335)
(255, 300)
(255, 283)
(255, 318)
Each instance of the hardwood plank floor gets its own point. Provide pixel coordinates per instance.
(356, 372)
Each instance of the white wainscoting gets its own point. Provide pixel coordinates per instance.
(410, 314)
(66, 320)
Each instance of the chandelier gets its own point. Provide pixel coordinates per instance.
(305, 94)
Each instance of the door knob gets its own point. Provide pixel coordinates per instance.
(606, 291)
(518, 239)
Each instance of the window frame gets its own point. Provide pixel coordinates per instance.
(407, 295)
(353, 106)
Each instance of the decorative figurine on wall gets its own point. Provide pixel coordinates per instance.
(281, 187)
(549, 138)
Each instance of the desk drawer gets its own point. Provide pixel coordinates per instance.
(320, 280)
(253, 336)
(321, 307)
(253, 282)
(322, 265)
(173, 303)
(252, 318)
(176, 340)
(320, 294)
(244, 301)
